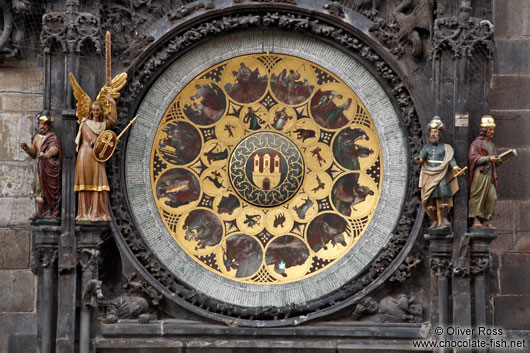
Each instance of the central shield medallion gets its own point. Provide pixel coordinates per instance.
(266, 169)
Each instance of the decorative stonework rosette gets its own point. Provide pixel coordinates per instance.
(266, 169)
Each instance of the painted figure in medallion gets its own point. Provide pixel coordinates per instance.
(437, 168)
(327, 111)
(249, 85)
(291, 88)
(208, 105)
(90, 176)
(46, 147)
(347, 149)
(482, 159)
(243, 254)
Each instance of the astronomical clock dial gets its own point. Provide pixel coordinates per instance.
(266, 170)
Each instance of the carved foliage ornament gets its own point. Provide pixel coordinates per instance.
(146, 72)
(463, 36)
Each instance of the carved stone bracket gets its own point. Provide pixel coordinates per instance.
(462, 36)
(88, 259)
(480, 254)
(43, 257)
(441, 267)
(146, 72)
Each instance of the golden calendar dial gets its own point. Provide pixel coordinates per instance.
(266, 169)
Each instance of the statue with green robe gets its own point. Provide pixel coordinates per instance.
(437, 168)
(482, 158)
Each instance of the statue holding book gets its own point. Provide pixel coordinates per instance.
(483, 159)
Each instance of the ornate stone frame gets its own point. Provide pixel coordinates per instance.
(182, 38)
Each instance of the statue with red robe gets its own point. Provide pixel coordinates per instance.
(46, 147)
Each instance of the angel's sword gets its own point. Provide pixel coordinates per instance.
(108, 59)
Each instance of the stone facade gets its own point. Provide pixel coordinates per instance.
(510, 105)
(22, 96)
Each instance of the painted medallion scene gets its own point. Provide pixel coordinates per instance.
(266, 169)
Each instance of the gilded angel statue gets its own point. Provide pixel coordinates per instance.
(94, 119)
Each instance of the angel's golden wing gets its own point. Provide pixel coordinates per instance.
(114, 89)
(83, 100)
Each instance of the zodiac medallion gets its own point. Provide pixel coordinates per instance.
(266, 169)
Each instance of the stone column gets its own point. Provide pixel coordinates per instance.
(440, 248)
(88, 239)
(480, 264)
(44, 265)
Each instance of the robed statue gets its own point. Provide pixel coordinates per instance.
(436, 179)
(94, 119)
(46, 147)
(482, 158)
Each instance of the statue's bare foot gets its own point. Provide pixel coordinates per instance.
(476, 223)
(433, 225)
(488, 224)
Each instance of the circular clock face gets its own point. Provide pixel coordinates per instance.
(266, 169)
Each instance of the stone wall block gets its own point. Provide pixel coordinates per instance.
(29, 80)
(514, 177)
(512, 128)
(522, 237)
(512, 312)
(512, 56)
(508, 18)
(16, 180)
(510, 92)
(14, 248)
(28, 102)
(506, 221)
(16, 210)
(15, 129)
(18, 291)
(515, 270)
(16, 324)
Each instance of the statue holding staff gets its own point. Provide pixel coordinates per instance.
(436, 182)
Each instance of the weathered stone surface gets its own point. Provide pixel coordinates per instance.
(16, 180)
(512, 312)
(506, 136)
(14, 129)
(24, 324)
(509, 19)
(27, 80)
(510, 92)
(506, 221)
(22, 344)
(14, 248)
(522, 237)
(16, 210)
(512, 56)
(515, 269)
(514, 177)
(18, 291)
(17, 102)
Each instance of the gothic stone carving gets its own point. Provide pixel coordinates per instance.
(404, 270)
(462, 36)
(43, 257)
(334, 8)
(138, 301)
(403, 308)
(440, 267)
(70, 34)
(404, 27)
(409, 117)
(185, 11)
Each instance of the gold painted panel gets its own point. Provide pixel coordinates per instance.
(266, 169)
